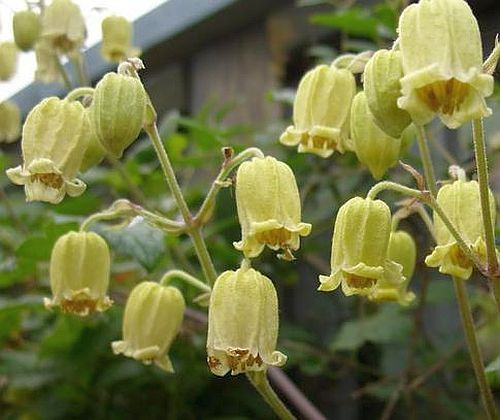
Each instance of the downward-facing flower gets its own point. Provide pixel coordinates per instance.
(47, 67)
(153, 316)
(268, 205)
(10, 122)
(461, 202)
(442, 62)
(359, 249)
(8, 60)
(63, 26)
(117, 33)
(401, 250)
(243, 323)
(79, 274)
(26, 26)
(321, 112)
(373, 147)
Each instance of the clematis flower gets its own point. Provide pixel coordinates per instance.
(153, 316)
(55, 136)
(268, 205)
(79, 274)
(462, 204)
(26, 26)
(10, 122)
(442, 62)
(359, 259)
(243, 323)
(321, 112)
(117, 33)
(47, 67)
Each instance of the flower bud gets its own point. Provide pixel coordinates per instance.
(382, 88)
(373, 147)
(47, 67)
(8, 60)
(153, 316)
(26, 26)
(461, 202)
(243, 323)
(79, 274)
(401, 250)
(117, 33)
(63, 26)
(55, 136)
(321, 112)
(118, 111)
(268, 205)
(442, 62)
(10, 122)
(359, 249)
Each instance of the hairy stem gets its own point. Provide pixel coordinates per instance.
(188, 278)
(425, 155)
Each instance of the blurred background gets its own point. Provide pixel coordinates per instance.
(224, 73)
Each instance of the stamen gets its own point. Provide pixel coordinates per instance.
(274, 237)
(51, 180)
(358, 282)
(444, 96)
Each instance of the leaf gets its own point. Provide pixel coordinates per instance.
(85, 204)
(388, 325)
(493, 373)
(356, 21)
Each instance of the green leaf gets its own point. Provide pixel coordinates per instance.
(356, 21)
(85, 204)
(493, 373)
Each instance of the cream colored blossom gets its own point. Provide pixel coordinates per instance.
(117, 34)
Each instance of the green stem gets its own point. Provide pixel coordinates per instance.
(188, 278)
(422, 212)
(425, 154)
(134, 190)
(394, 186)
(203, 256)
(261, 383)
(474, 351)
(79, 92)
(64, 73)
(78, 64)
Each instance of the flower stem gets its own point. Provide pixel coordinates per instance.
(64, 73)
(394, 186)
(425, 155)
(261, 383)
(134, 190)
(78, 64)
(188, 278)
(474, 351)
(79, 92)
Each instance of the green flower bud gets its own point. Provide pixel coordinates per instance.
(321, 112)
(10, 122)
(26, 26)
(8, 60)
(117, 33)
(373, 147)
(402, 250)
(47, 67)
(382, 88)
(268, 205)
(79, 274)
(63, 26)
(153, 316)
(461, 202)
(118, 111)
(55, 136)
(442, 62)
(243, 323)
(359, 249)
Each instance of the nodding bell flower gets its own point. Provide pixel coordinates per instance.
(79, 274)
(359, 258)
(10, 122)
(268, 205)
(26, 26)
(461, 202)
(382, 88)
(321, 112)
(373, 147)
(153, 316)
(55, 136)
(8, 60)
(47, 67)
(118, 111)
(401, 250)
(117, 33)
(63, 26)
(442, 61)
(243, 323)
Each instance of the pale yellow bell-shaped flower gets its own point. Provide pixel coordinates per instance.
(243, 323)
(321, 112)
(152, 319)
(117, 34)
(269, 208)
(373, 147)
(47, 67)
(63, 26)
(79, 274)
(442, 61)
(402, 250)
(55, 136)
(10, 122)
(8, 60)
(360, 241)
(26, 26)
(381, 83)
(461, 202)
